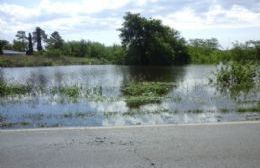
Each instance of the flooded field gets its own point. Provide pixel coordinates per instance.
(108, 95)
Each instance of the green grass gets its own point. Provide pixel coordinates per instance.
(9, 90)
(76, 115)
(10, 124)
(141, 93)
(195, 111)
(39, 60)
(224, 110)
(134, 102)
(69, 91)
(250, 109)
(147, 88)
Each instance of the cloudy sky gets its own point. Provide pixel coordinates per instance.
(98, 20)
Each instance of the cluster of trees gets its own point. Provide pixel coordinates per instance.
(148, 42)
(209, 51)
(26, 43)
(55, 46)
(144, 42)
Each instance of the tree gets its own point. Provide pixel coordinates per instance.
(55, 41)
(30, 45)
(21, 43)
(3, 43)
(38, 36)
(148, 42)
(205, 50)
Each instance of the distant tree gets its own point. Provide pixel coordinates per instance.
(30, 45)
(19, 46)
(3, 43)
(148, 42)
(21, 43)
(55, 41)
(205, 50)
(210, 44)
(38, 36)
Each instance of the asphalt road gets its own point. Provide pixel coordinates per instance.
(228, 145)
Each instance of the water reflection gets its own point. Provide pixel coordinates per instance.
(155, 74)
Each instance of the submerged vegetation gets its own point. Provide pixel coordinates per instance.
(235, 77)
(140, 93)
(11, 90)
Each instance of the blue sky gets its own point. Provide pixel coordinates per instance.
(98, 20)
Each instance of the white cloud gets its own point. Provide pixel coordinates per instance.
(215, 17)
(87, 16)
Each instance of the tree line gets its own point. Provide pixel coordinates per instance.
(143, 42)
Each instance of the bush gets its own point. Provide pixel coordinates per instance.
(53, 53)
(235, 77)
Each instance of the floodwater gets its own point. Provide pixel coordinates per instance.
(101, 101)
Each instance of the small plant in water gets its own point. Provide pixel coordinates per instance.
(10, 90)
(140, 93)
(235, 77)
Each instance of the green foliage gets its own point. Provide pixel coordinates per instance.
(137, 94)
(39, 59)
(71, 92)
(235, 77)
(21, 43)
(38, 36)
(146, 88)
(55, 41)
(244, 52)
(30, 45)
(115, 54)
(207, 51)
(76, 48)
(52, 53)
(250, 109)
(10, 90)
(148, 42)
(3, 43)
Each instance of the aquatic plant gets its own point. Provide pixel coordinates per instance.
(69, 91)
(147, 88)
(235, 77)
(140, 93)
(10, 90)
(11, 124)
(250, 109)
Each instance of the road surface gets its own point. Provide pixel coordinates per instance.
(227, 145)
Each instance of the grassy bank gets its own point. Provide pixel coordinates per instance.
(30, 61)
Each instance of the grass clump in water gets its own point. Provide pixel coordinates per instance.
(141, 100)
(10, 90)
(140, 93)
(71, 91)
(10, 124)
(250, 109)
(147, 88)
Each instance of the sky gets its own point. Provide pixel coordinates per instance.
(99, 20)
